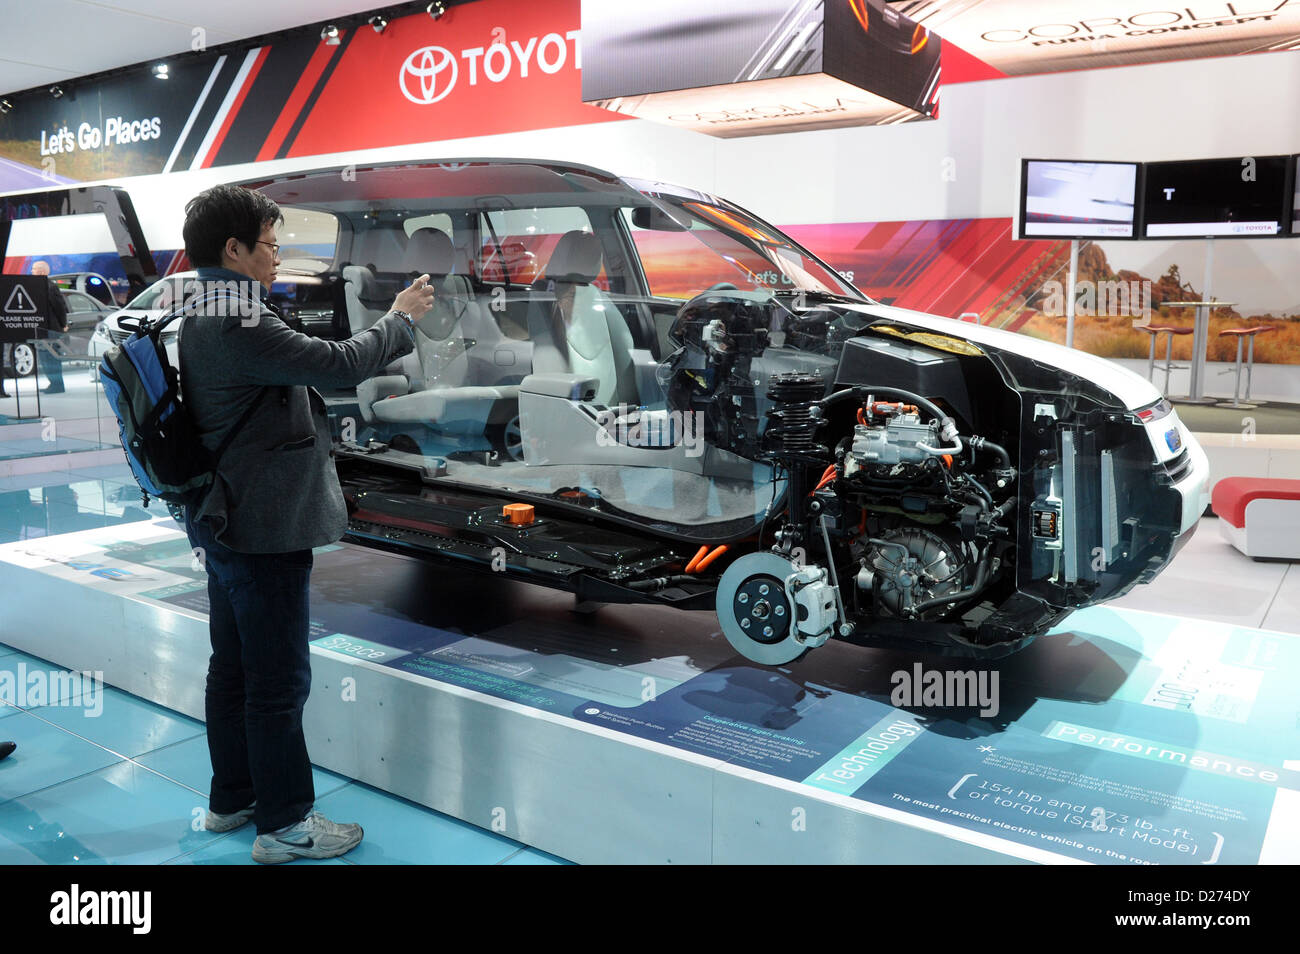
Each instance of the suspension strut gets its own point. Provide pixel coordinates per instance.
(791, 434)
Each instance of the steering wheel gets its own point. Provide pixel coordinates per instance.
(719, 286)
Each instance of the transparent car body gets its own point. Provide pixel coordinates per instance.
(693, 404)
(457, 399)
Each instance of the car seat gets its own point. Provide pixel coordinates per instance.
(575, 327)
(463, 374)
(365, 302)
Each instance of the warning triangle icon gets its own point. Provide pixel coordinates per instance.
(20, 302)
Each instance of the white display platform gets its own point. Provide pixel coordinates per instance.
(635, 734)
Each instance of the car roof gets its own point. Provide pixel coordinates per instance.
(458, 183)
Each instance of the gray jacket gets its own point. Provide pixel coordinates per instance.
(276, 489)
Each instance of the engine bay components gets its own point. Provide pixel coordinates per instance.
(908, 566)
(891, 434)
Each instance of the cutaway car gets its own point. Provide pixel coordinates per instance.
(643, 393)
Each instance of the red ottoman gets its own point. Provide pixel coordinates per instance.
(1259, 516)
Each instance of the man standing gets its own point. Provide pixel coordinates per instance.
(275, 497)
(56, 323)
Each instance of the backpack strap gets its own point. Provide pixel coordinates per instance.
(172, 378)
(155, 327)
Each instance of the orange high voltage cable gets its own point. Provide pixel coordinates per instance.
(717, 552)
(690, 567)
(827, 477)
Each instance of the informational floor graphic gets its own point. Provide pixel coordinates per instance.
(1122, 738)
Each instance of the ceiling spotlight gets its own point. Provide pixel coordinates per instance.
(56, 91)
(378, 22)
(5, 106)
(161, 71)
(330, 35)
(436, 9)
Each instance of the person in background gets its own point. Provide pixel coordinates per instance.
(56, 323)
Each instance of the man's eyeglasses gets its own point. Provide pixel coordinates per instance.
(275, 249)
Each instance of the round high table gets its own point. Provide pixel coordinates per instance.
(1200, 343)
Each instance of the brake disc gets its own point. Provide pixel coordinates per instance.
(756, 614)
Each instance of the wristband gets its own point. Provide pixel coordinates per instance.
(407, 320)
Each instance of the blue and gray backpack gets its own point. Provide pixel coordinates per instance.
(159, 438)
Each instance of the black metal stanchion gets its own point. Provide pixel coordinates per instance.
(18, 377)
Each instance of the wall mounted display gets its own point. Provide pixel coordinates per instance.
(1245, 197)
(1072, 199)
(1295, 195)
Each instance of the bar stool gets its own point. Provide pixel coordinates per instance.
(1155, 331)
(1240, 333)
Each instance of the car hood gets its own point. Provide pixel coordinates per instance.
(1133, 389)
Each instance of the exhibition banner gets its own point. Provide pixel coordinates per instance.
(124, 126)
(483, 68)
(1022, 37)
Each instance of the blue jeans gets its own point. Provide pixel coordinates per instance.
(259, 677)
(50, 363)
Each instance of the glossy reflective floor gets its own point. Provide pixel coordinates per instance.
(81, 398)
(103, 777)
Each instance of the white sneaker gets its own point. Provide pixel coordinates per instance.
(214, 822)
(313, 837)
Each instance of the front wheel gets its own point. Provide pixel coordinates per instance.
(24, 359)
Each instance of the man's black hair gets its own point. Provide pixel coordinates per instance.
(223, 212)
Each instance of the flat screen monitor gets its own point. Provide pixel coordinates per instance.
(1295, 195)
(1070, 199)
(1241, 197)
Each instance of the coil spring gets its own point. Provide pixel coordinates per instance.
(791, 424)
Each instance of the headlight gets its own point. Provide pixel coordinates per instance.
(101, 331)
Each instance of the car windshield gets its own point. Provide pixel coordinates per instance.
(696, 241)
(551, 365)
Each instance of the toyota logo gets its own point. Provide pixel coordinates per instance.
(432, 70)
